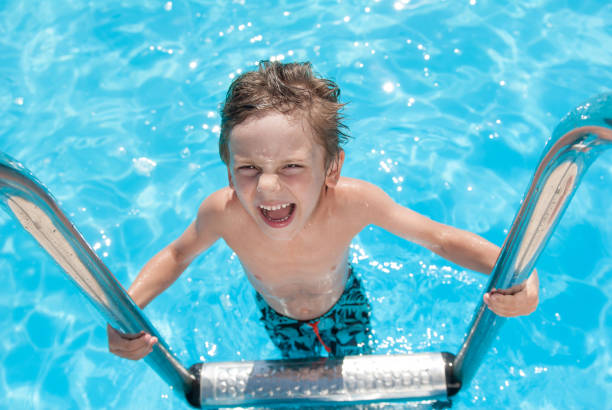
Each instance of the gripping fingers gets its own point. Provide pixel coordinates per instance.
(523, 302)
(130, 346)
(503, 305)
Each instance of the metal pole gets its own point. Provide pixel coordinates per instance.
(318, 382)
(33, 206)
(576, 142)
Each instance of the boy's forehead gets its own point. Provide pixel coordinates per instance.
(272, 135)
(277, 121)
(245, 151)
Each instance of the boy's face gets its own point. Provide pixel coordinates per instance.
(277, 171)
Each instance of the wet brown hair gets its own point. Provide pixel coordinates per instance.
(290, 89)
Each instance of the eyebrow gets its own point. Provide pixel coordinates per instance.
(240, 159)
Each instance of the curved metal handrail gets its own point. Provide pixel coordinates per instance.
(36, 210)
(576, 142)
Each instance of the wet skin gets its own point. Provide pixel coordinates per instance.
(298, 266)
(290, 220)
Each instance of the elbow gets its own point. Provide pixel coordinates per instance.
(179, 259)
(440, 243)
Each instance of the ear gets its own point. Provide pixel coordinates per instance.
(229, 178)
(333, 171)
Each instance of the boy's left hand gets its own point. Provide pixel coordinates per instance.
(518, 300)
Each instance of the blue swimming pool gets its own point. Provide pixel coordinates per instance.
(113, 106)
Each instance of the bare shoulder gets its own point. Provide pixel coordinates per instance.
(371, 205)
(358, 191)
(218, 200)
(361, 199)
(217, 209)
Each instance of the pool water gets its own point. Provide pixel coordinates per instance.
(113, 105)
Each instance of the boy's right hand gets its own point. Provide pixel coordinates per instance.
(129, 346)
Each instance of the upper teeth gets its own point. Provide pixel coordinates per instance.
(273, 207)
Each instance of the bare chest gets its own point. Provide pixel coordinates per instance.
(309, 262)
(301, 278)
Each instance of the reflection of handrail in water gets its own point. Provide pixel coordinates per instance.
(574, 145)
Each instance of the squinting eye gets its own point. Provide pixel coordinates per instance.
(248, 170)
(292, 168)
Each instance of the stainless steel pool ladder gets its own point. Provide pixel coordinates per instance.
(575, 144)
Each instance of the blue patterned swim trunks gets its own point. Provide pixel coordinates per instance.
(343, 330)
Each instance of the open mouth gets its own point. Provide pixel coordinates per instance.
(277, 216)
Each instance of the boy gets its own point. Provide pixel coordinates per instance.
(290, 217)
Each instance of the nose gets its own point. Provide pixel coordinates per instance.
(268, 183)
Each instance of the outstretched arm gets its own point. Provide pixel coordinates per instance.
(163, 270)
(461, 247)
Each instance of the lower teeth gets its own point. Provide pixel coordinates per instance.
(277, 220)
